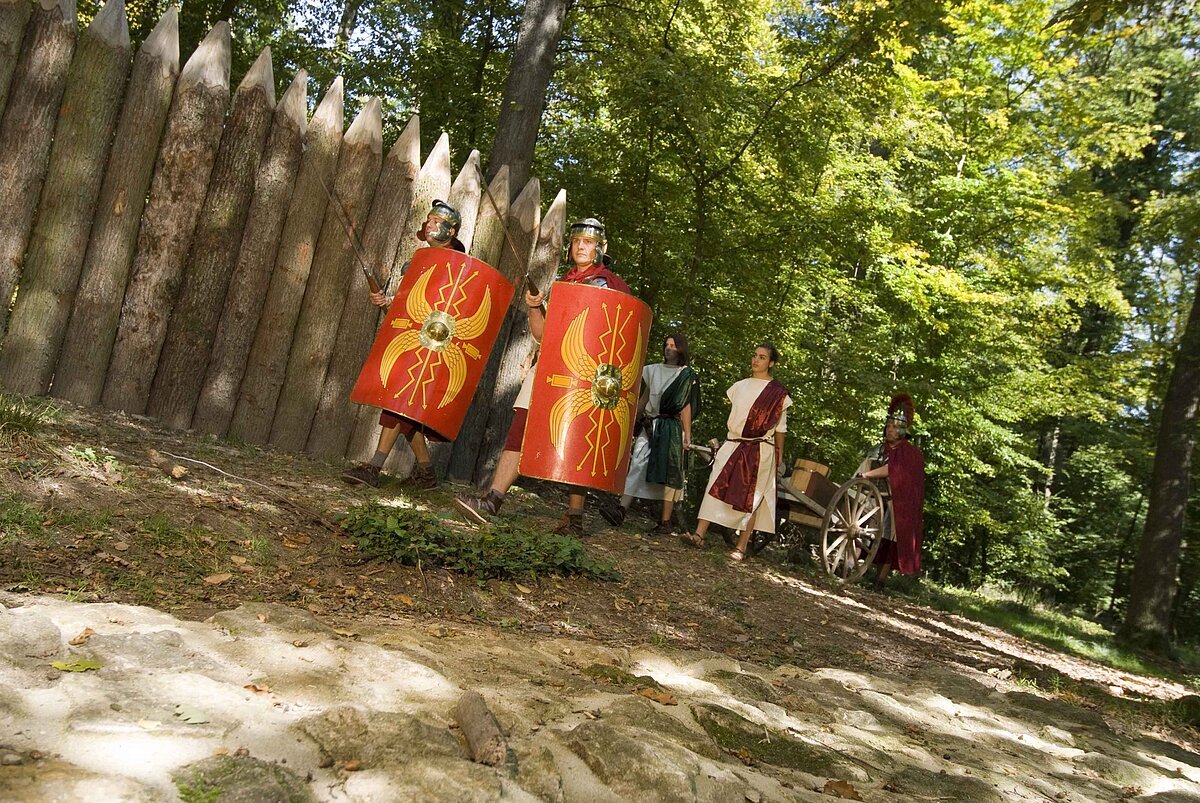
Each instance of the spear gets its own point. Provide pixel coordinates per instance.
(530, 287)
(344, 219)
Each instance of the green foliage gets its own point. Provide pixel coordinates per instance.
(504, 551)
(23, 417)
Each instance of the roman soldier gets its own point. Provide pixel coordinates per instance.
(588, 263)
(440, 230)
(902, 466)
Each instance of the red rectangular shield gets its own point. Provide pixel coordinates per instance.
(435, 340)
(586, 386)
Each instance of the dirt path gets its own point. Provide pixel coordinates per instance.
(886, 696)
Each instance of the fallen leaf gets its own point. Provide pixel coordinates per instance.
(290, 544)
(178, 472)
(406, 599)
(346, 633)
(239, 560)
(523, 589)
(190, 715)
(309, 560)
(302, 539)
(841, 789)
(351, 765)
(263, 617)
(299, 643)
(257, 689)
(78, 665)
(120, 546)
(217, 579)
(661, 697)
(82, 637)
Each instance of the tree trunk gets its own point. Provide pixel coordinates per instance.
(185, 163)
(87, 345)
(432, 182)
(487, 244)
(267, 363)
(386, 225)
(193, 323)
(524, 98)
(1155, 573)
(26, 130)
(513, 343)
(13, 16)
(325, 296)
(82, 138)
(259, 244)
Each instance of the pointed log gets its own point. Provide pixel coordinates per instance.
(193, 324)
(325, 296)
(356, 332)
(432, 183)
(267, 365)
(487, 244)
(13, 16)
(513, 343)
(185, 162)
(464, 196)
(27, 129)
(488, 241)
(82, 138)
(548, 250)
(87, 346)
(248, 287)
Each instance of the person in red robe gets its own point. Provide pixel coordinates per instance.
(903, 466)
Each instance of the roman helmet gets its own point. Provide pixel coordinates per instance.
(449, 221)
(590, 227)
(900, 412)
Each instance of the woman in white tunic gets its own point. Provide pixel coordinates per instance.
(741, 490)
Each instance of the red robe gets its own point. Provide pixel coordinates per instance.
(906, 478)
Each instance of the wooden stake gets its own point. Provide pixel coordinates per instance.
(82, 138)
(267, 366)
(252, 275)
(193, 323)
(185, 162)
(87, 345)
(386, 224)
(38, 80)
(334, 267)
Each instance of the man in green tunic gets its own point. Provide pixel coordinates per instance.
(671, 395)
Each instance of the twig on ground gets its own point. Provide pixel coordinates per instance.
(315, 515)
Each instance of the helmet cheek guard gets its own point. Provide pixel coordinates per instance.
(448, 222)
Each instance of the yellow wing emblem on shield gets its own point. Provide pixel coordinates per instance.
(568, 407)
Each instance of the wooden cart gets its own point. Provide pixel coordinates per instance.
(850, 518)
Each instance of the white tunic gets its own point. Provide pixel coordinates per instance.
(658, 378)
(743, 394)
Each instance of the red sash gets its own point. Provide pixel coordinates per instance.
(736, 483)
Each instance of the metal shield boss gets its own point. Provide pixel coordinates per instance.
(586, 386)
(435, 340)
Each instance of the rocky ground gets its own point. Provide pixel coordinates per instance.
(212, 635)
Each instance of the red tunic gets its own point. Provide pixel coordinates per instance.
(906, 477)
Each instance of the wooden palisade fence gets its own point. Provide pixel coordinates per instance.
(173, 251)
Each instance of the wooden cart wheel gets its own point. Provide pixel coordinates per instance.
(852, 529)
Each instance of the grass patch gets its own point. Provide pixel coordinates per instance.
(1061, 631)
(23, 418)
(505, 551)
(20, 521)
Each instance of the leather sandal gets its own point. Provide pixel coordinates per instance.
(693, 539)
(737, 555)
